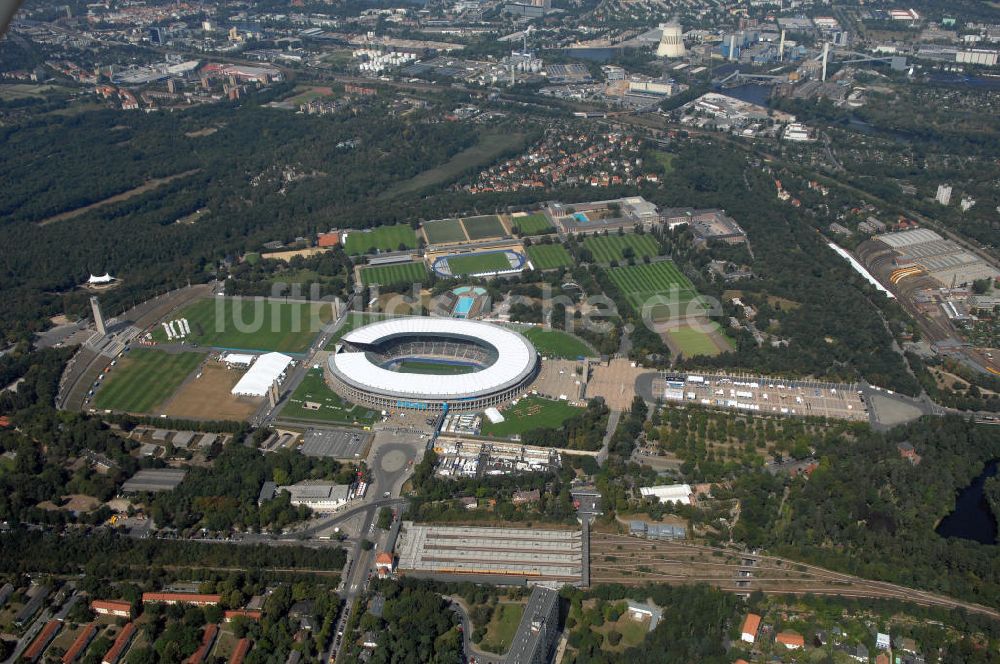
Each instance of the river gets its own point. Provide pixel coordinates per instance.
(972, 518)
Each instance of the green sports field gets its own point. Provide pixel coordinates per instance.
(251, 324)
(533, 224)
(331, 407)
(144, 379)
(549, 256)
(443, 231)
(477, 263)
(483, 227)
(556, 343)
(434, 368)
(398, 273)
(383, 238)
(693, 342)
(640, 283)
(612, 247)
(530, 413)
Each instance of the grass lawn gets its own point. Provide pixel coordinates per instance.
(665, 159)
(398, 273)
(443, 231)
(251, 323)
(693, 342)
(476, 263)
(144, 379)
(530, 413)
(502, 626)
(383, 238)
(434, 368)
(612, 247)
(639, 283)
(549, 256)
(332, 408)
(533, 224)
(490, 146)
(485, 226)
(556, 343)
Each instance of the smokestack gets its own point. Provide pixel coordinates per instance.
(732, 48)
(781, 47)
(826, 54)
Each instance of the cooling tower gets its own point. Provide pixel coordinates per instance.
(671, 42)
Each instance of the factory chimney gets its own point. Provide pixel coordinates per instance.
(826, 55)
(781, 47)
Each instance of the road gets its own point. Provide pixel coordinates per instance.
(613, 418)
(482, 657)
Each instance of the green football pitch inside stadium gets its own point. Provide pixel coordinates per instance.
(478, 263)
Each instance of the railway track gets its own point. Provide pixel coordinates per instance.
(632, 561)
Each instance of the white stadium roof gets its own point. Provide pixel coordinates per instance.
(259, 378)
(516, 359)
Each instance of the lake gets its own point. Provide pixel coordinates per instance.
(972, 518)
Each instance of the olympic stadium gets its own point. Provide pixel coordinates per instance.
(434, 364)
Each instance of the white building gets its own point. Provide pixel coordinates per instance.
(316, 496)
(668, 493)
(943, 194)
(268, 369)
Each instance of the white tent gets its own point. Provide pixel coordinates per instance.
(266, 370)
(105, 279)
(669, 493)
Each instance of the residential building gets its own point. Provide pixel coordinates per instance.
(539, 628)
(120, 646)
(106, 607)
(42, 641)
(943, 194)
(79, 644)
(751, 626)
(791, 640)
(181, 598)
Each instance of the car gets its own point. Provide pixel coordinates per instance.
(386, 494)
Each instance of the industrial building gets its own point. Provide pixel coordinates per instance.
(536, 635)
(922, 251)
(661, 531)
(514, 556)
(319, 497)
(367, 365)
(671, 41)
(154, 479)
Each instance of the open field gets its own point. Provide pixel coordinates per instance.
(398, 273)
(143, 188)
(549, 256)
(691, 341)
(639, 283)
(556, 343)
(434, 368)
(483, 227)
(383, 238)
(303, 94)
(502, 626)
(331, 407)
(532, 224)
(13, 91)
(613, 247)
(444, 231)
(489, 147)
(665, 159)
(530, 413)
(209, 398)
(251, 323)
(477, 263)
(144, 379)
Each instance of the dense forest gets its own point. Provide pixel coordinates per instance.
(868, 511)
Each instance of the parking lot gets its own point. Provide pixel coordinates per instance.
(336, 443)
(763, 395)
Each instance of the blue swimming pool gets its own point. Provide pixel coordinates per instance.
(581, 217)
(464, 306)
